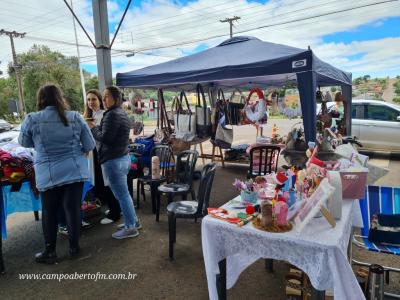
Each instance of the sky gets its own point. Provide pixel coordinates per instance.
(361, 40)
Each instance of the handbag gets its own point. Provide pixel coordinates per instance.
(185, 121)
(223, 135)
(163, 130)
(175, 106)
(235, 108)
(203, 115)
(255, 113)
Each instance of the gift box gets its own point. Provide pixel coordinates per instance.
(353, 183)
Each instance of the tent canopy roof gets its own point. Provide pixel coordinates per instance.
(239, 62)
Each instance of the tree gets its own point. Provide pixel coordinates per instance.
(333, 89)
(366, 78)
(40, 66)
(8, 91)
(91, 82)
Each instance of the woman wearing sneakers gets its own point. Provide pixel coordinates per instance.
(94, 111)
(112, 136)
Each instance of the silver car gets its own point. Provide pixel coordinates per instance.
(377, 125)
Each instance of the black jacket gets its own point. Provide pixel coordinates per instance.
(112, 135)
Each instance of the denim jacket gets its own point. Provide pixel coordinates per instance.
(60, 150)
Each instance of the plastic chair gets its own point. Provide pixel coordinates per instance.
(165, 155)
(191, 209)
(378, 199)
(263, 160)
(185, 167)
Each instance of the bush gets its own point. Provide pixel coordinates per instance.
(396, 100)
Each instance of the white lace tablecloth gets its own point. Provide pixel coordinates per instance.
(320, 251)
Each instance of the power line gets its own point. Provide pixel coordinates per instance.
(266, 26)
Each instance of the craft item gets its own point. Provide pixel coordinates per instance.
(247, 220)
(328, 216)
(274, 131)
(312, 206)
(155, 167)
(257, 223)
(250, 209)
(280, 178)
(222, 214)
(335, 201)
(281, 211)
(292, 198)
(266, 213)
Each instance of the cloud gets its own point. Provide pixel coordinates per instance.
(156, 23)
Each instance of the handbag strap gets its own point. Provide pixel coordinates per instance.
(259, 92)
(162, 119)
(242, 98)
(200, 92)
(221, 95)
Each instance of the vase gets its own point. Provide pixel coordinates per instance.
(248, 197)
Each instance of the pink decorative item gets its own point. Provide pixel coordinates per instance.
(155, 167)
(281, 212)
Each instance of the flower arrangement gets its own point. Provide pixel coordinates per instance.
(244, 186)
(247, 190)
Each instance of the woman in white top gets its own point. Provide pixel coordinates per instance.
(94, 109)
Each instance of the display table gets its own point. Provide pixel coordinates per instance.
(320, 251)
(14, 198)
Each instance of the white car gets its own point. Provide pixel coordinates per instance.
(10, 136)
(376, 124)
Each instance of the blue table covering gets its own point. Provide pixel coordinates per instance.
(23, 201)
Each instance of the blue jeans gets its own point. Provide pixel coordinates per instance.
(115, 172)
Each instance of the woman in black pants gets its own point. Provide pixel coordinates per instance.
(62, 141)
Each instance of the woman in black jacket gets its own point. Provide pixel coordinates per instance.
(113, 139)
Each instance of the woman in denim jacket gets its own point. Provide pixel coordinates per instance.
(61, 139)
(113, 139)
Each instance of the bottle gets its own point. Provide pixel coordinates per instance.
(155, 167)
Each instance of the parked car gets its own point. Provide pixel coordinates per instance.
(377, 125)
(4, 125)
(10, 136)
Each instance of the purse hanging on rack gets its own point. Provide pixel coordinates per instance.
(185, 121)
(203, 114)
(163, 130)
(223, 135)
(174, 109)
(235, 106)
(256, 112)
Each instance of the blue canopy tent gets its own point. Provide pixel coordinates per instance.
(245, 62)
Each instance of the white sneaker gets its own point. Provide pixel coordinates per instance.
(107, 211)
(106, 221)
(125, 233)
(63, 230)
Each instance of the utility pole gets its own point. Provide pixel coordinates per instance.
(102, 39)
(230, 21)
(17, 68)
